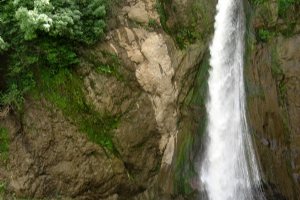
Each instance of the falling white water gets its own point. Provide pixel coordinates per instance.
(229, 170)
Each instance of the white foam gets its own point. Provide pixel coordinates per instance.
(229, 170)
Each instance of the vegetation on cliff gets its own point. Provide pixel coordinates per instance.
(39, 50)
(275, 18)
(194, 25)
(43, 34)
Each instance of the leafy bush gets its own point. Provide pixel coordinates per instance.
(153, 24)
(284, 6)
(2, 188)
(188, 31)
(13, 96)
(39, 42)
(264, 35)
(79, 20)
(163, 15)
(44, 33)
(3, 44)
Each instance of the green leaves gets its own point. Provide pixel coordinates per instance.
(284, 6)
(56, 54)
(31, 20)
(3, 45)
(264, 35)
(44, 34)
(64, 90)
(81, 21)
(13, 96)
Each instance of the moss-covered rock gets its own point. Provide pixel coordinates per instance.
(187, 21)
(271, 79)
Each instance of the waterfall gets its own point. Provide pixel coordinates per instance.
(229, 169)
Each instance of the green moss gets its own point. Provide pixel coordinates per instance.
(201, 84)
(253, 90)
(284, 6)
(191, 31)
(163, 15)
(106, 63)
(192, 133)
(185, 171)
(64, 90)
(267, 34)
(29, 44)
(279, 76)
(264, 35)
(152, 24)
(111, 65)
(2, 189)
(278, 18)
(4, 145)
(288, 31)
(185, 36)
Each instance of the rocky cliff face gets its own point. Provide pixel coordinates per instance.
(50, 156)
(273, 94)
(151, 103)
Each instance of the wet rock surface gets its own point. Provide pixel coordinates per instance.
(156, 95)
(272, 76)
(51, 158)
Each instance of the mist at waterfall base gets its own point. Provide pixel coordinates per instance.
(229, 170)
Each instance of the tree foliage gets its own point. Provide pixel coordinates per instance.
(44, 33)
(77, 20)
(3, 44)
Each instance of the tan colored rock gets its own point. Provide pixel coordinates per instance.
(4, 112)
(50, 156)
(130, 35)
(169, 151)
(289, 58)
(138, 13)
(104, 93)
(155, 76)
(273, 101)
(136, 56)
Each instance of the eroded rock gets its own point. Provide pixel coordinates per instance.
(50, 157)
(138, 13)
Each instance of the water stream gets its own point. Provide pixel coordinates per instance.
(229, 170)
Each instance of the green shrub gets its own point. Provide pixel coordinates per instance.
(105, 62)
(44, 34)
(41, 40)
(185, 35)
(284, 6)
(191, 31)
(264, 35)
(13, 96)
(3, 44)
(2, 188)
(163, 15)
(110, 66)
(153, 24)
(79, 20)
